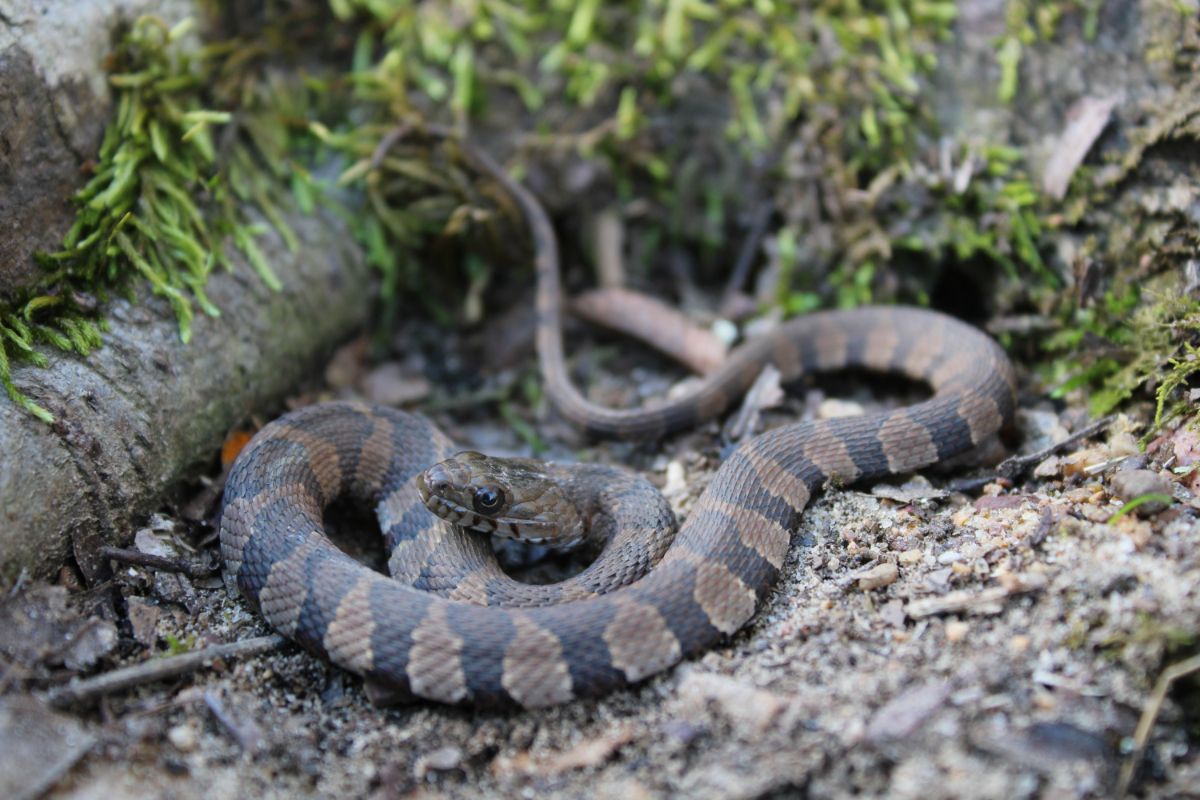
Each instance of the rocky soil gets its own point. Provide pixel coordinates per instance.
(1001, 641)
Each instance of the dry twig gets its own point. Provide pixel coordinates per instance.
(1145, 725)
(1014, 466)
(158, 669)
(139, 559)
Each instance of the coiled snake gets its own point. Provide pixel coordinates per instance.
(436, 645)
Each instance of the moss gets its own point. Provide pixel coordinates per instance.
(833, 92)
(1028, 24)
(160, 206)
(177, 646)
(641, 87)
(1133, 322)
(678, 101)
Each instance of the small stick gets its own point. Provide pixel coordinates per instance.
(748, 251)
(139, 559)
(388, 141)
(1015, 465)
(1150, 715)
(248, 735)
(159, 669)
(610, 244)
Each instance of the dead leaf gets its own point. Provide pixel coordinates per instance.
(233, 445)
(143, 619)
(765, 392)
(40, 628)
(751, 710)
(95, 639)
(1086, 119)
(345, 368)
(39, 745)
(906, 712)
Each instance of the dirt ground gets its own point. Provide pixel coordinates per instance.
(922, 642)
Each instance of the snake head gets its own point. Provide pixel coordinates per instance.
(510, 497)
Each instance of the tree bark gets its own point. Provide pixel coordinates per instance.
(54, 104)
(133, 418)
(137, 416)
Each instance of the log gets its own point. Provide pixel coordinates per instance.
(139, 415)
(54, 104)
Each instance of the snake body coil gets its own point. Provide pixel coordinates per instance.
(709, 580)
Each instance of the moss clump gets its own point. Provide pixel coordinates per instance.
(1133, 339)
(642, 87)
(824, 107)
(159, 207)
(1133, 320)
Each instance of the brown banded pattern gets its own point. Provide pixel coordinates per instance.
(410, 642)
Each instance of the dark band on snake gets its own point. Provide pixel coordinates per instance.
(449, 626)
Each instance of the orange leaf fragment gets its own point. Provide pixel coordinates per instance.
(233, 445)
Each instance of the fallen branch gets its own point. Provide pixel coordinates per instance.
(158, 669)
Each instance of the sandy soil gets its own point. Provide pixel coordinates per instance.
(922, 643)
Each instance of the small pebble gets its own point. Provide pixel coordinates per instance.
(183, 737)
(681, 730)
(956, 630)
(904, 714)
(1050, 468)
(441, 760)
(676, 484)
(879, 576)
(1133, 483)
(949, 557)
(836, 409)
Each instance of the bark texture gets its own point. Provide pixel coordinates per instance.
(135, 417)
(54, 103)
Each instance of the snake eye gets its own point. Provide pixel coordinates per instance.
(488, 499)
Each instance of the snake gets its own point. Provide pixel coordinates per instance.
(449, 626)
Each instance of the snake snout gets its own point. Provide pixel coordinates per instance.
(434, 481)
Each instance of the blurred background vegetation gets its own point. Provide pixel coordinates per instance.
(762, 157)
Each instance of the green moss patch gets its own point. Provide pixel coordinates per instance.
(696, 113)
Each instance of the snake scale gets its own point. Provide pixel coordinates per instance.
(707, 582)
